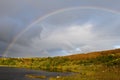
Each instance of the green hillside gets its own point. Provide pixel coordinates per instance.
(101, 65)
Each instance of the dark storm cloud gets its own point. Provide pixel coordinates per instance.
(56, 35)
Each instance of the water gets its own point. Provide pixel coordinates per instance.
(7, 73)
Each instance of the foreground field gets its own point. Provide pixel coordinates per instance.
(99, 74)
(103, 65)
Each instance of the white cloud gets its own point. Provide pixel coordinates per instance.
(66, 38)
(117, 46)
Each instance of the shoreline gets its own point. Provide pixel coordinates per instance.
(7, 73)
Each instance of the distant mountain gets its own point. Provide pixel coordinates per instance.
(4, 57)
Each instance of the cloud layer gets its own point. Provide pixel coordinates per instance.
(60, 34)
(66, 32)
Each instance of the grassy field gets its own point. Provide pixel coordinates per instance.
(103, 65)
(35, 76)
(101, 73)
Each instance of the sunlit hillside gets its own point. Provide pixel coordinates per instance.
(105, 65)
(94, 54)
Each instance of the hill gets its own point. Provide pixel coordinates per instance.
(93, 54)
(108, 57)
(102, 64)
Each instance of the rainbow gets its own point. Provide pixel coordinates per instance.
(51, 14)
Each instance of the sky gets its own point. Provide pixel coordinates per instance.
(42, 28)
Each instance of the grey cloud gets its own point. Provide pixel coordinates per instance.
(3, 46)
(25, 39)
(87, 36)
(7, 29)
(58, 34)
(94, 35)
